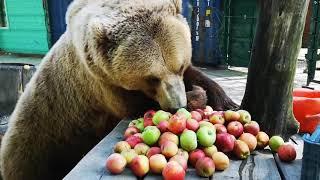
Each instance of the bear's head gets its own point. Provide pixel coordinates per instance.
(141, 45)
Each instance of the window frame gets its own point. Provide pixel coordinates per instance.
(6, 19)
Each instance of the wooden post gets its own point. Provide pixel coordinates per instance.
(268, 95)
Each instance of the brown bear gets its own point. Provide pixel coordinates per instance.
(116, 59)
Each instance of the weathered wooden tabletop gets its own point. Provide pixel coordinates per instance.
(261, 164)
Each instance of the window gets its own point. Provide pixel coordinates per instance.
(3, 14)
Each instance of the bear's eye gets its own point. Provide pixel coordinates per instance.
(153, 81)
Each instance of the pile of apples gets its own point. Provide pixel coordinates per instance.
(165, 144)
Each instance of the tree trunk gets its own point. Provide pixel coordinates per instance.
(268, 95)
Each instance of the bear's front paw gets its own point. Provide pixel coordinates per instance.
(197, 98)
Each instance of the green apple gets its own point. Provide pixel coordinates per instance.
(150, 135)
(160, 116)
(185, 112)
(275, 142)
(206, 136)
(138, 123)
(188, 140)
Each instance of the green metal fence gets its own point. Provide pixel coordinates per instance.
(312, 55)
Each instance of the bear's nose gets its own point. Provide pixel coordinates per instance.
(174, 110)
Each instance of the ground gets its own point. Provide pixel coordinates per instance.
(233, 80)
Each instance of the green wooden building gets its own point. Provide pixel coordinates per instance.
(33, 26)
(24, 27)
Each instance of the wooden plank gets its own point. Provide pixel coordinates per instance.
(259, 165)
(92, 166)
(230, 173)
(292, 170)
(263, 165)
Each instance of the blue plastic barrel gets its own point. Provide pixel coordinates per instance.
(187, 10)
(57, 12)
(206, 23)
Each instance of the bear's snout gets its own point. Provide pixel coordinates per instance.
(171, 94)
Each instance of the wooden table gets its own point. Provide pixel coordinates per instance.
(261, 164)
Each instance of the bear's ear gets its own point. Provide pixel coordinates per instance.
(178, 5)
(100, 30)
(101, 37)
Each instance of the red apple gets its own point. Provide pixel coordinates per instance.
(183, 153)
(195, 155)
(169, 149)
(234, 138)
(148, 118)
(230, 115)
(235, 128)
(220, 128)
(262, 140)
(251, 127)
(168, 136)
(139, 135)
(287, 152)
(201, 112)
(177, 123)
(241, 149)
(147, 122)
(173, 171)
(157, 162)
(205, 167)
(208, 111)
(181, 160)
(196, 115)
(217, 118)
(192, 125)
(121, 146)
(163, 126)
(116, 163)
(250, 140)
(221, 161)
(133, 140)
(140, 165)
(153, 151)
(130, 131)
(149, 114)
(225, 142)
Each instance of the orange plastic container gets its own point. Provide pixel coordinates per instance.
(306, 108)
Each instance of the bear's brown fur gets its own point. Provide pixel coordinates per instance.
(116, 59)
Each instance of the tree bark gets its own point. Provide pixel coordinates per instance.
(268, 95)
